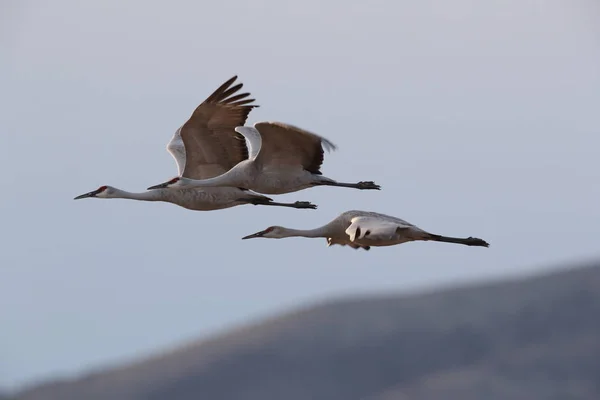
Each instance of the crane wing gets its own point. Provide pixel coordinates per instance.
(253, 140)
(176, 148)
(373, 228)
(207, 144)
(287, 145)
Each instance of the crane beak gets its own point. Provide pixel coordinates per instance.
(254, 235)
(89, 194)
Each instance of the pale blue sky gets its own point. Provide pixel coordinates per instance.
(477, 118)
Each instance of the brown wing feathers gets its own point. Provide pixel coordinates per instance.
(239, 102)
(212, 144)
(314, 165)
(215, 147)
(221, 95)
(316, 161)
(288, 144)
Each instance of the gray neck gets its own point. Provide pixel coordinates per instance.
(150, 195)
(308, 233)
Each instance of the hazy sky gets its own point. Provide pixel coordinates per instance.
(477, 118)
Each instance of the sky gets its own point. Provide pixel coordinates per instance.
(476, 118)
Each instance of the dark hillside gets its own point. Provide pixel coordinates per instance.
(536, 338)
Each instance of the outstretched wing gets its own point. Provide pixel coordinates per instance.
(176, 148)
(287, 145)
(373, 228)
(253, 140)
(207, 145)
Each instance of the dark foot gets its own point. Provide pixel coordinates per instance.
(305, 204)
(367, 185)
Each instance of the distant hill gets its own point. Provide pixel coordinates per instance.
(536, 338)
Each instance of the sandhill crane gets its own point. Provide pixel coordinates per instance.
(206, 199)
(205, 146)
(363, 229)
(283, 159)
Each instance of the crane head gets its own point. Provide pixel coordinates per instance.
(102, 192)
(172, 183)
(272, 232)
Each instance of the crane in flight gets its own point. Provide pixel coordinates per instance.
(364, 229)
(205, 146)
(283, 159)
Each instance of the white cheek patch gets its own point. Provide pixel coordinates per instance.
(176, 184)
(102, 194)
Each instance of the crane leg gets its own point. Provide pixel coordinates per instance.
(297, 204)
(363, 185)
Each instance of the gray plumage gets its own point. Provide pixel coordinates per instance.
(205, 146)
(364, 229)
(282, 159)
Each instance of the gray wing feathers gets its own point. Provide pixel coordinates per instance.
(176, 148)
(253, 140)
(285, 144)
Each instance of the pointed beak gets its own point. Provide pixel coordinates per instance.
(85, 195)
(254, 235)
(161, 186)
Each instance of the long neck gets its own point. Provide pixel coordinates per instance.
(308, 233)
(150, 195)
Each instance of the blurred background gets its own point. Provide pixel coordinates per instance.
(476, 118)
